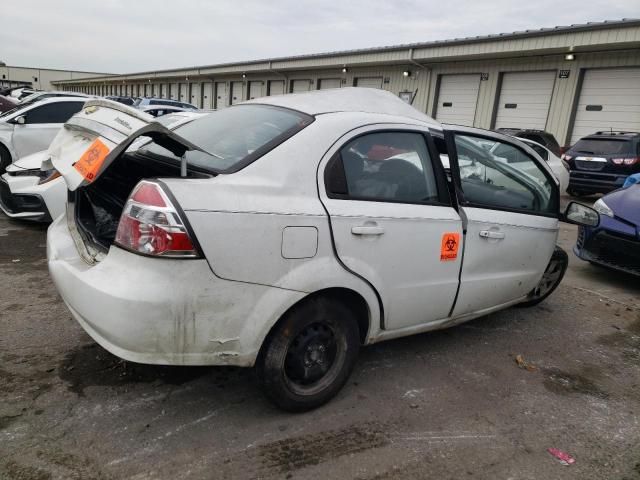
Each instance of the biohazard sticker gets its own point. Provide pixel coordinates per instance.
(91, 160)
(449, 246)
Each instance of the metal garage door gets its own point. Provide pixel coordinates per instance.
(196, 95)
(369, 82)
(524, 100)
(222, 96)
(609, 99)
(330, 83)
(174, 91)
(457, 99)
(184, 92)
(276, 87)
(163, 90)
(256, 89)
(207, 95)
(299, 86)
(236, 92)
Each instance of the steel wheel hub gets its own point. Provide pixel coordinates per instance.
(311, 354)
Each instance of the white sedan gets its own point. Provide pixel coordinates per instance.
(287, 231)
(29, 127)
(31, 189)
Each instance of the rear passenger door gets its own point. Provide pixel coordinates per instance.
(392, 221)
(510, 202)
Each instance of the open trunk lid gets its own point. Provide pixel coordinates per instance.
(94, 137)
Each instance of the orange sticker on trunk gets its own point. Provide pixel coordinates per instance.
(449, 246)
(91, 160)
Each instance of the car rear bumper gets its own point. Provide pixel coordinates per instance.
(595, 182)
(609, 249)
(163, 311)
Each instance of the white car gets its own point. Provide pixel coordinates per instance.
(286, 232)
(31, 189)
(557, 166)
(29, 192)
(29, 127)
(43, 95)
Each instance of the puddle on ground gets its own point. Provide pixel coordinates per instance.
(564, 383)
(91, 365)
(625, 340)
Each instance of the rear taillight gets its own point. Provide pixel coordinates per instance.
(150, 224)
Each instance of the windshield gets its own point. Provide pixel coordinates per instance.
(605, 146)
(235, 136)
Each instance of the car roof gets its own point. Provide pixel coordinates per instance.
(60, 99)
(348, 99)
(611, 135)
(529, 141)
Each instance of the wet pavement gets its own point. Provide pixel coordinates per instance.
(449, 405)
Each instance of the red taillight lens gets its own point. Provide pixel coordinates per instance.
(150, 224)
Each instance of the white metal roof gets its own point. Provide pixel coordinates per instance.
(348, 99)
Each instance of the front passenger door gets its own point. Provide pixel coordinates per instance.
(511, 210)
(41, 126)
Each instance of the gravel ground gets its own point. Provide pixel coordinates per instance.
(449, 405)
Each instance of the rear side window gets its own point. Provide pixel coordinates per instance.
(604, 146)
(388, 166)
(58, 112)
(234, 137)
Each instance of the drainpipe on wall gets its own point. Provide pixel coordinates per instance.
(428, 70)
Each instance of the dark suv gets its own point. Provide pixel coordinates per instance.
(601, 162)
(539, 136)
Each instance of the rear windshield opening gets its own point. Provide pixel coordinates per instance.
(605, 146)
(234, 137)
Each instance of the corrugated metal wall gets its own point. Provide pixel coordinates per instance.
(231, 84)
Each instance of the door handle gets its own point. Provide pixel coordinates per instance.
(491, 234)
(367, 230)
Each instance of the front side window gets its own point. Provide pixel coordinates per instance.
(58, 112)
(500, 175)
(386, 166)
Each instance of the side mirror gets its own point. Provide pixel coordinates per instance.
(20, 120)
(580, 214)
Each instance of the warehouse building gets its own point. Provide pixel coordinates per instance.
(570, 81)
(38, 78)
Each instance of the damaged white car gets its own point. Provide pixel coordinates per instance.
(288, 231)
(31, 189)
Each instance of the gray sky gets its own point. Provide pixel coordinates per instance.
(122, 36)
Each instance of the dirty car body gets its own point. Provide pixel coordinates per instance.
(286, 231)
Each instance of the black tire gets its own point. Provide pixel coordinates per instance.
(551, 278)
(309, 355)
(5, 159)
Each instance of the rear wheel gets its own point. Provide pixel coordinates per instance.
(310, 354)
(5, 159)
(550, 280)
